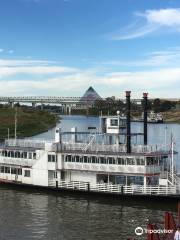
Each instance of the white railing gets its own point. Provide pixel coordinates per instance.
(115, 188)
(27, 143)
(94, 147)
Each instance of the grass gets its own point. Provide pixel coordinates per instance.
(172, 116)
(29, 121)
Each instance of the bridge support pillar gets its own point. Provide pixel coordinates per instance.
(33, 104)
(42, 106)
(62, 109)
(11, 104)
(68, 109)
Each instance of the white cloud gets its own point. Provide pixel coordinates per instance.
(67, 81)
(167, 58)
(166, 17)
(1, 50)
(14, 67)
(160, 83)
(10, 51)
(151, 21)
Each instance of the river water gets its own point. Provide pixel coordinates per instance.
(34, 214)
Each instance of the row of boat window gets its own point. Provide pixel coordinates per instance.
(11, 170)
(112, 160)
(18, 154)
(14, 171)
(104, 160)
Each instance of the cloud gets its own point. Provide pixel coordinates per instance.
(1, 50)
(10, 51)
(44, 78)
(31, 67)
(160, 83)
(150, 21)
(167, 58)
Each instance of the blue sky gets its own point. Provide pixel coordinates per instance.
(61, 47)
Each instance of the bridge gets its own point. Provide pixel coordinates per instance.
(67, 103)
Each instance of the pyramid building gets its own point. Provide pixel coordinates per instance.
(90, 95)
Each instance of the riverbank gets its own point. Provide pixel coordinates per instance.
(172, 116)
(29, 121)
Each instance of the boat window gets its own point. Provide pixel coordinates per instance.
(68, 158)
(7, 169)
(89, 159)
(30, 155)
(81, 159)
(13, 170)
(77, 158)
(52, 158)
(27, 173)
(55, 175)
(73, 159)
(121, 161)
(111, 160)
(12, 154)
(19, 171)
(93, 159)
(24, 154)
(5, 153)
(150, 160)
(34, 155)
(85, 159)
(49, 158)
(103, 160)
(143, 161)
(130, 161)
(2, 169)
(9, 154)
(97, 160)
(114, 122)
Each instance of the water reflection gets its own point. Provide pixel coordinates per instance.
(28, 214)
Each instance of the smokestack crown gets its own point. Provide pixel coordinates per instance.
(128, 93)
(145, 95)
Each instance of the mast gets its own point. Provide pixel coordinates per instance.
(15, 124)
(172, 158)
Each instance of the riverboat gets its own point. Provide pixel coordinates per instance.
(103, 160)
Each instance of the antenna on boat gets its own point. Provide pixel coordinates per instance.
(165, 136)
(15, 124)
(172, 158)
(8, 133)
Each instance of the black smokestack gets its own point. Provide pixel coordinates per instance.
(128, 121)
(145, 96)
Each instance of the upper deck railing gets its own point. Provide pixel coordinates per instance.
(26, 143)
(112, 148)
(84, 147)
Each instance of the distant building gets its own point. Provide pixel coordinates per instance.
(90, 96)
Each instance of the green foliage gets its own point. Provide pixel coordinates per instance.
(29, 121)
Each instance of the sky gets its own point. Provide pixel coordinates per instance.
(61, 47)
